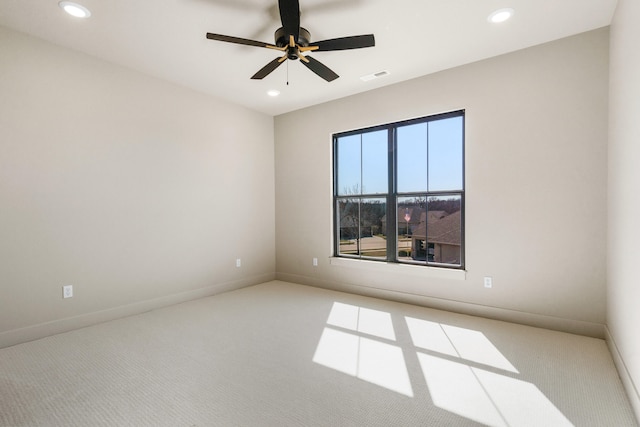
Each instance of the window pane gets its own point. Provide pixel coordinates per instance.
(349, 165)
(375, 178)
(445, 154)
(412, 158)
(411, 216)
(373, 242)
(443, 230)
(348, 221)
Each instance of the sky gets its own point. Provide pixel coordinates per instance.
(362, 159)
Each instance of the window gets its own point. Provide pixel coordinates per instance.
(399, 192)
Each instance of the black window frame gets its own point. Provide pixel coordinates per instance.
(392, 196)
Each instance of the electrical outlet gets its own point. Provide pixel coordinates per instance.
(67, 291)
(488, 282)
(315, 262)
(238, 262)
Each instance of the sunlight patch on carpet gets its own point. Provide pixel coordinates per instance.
(370, 360)
(459, 342)
(360, 319)
(487, 397)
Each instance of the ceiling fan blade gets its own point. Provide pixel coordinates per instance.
(342, 43)
(290, 17)
(319, 68)
(238, 40)
(267, 69)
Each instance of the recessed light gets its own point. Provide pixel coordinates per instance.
(273, 93)
(501, 15)
(75, 9)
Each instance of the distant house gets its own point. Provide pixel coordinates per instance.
(410, 218)
(438, 238)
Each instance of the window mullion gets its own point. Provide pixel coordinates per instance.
(426, 203)
(359, 231)
(392, 202)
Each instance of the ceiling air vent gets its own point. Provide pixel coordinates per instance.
(374, 75)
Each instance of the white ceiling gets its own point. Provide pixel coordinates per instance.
(167, 39)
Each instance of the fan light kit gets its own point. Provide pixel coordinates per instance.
(75, 9)
(273, 93)
(500, 15)
(293, 40)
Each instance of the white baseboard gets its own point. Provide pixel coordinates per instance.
(34, 332)
(578, 327)
(623, 372)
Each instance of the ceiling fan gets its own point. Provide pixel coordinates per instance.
(294, 40)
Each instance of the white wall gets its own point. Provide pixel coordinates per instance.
(623, 297)
(137, 192)
(536, 149)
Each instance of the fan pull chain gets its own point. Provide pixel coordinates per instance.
(287, 73)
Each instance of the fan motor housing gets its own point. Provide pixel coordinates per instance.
(282, 40)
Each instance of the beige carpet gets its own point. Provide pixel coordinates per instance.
(279, 354)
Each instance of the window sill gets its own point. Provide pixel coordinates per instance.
(414, 270)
